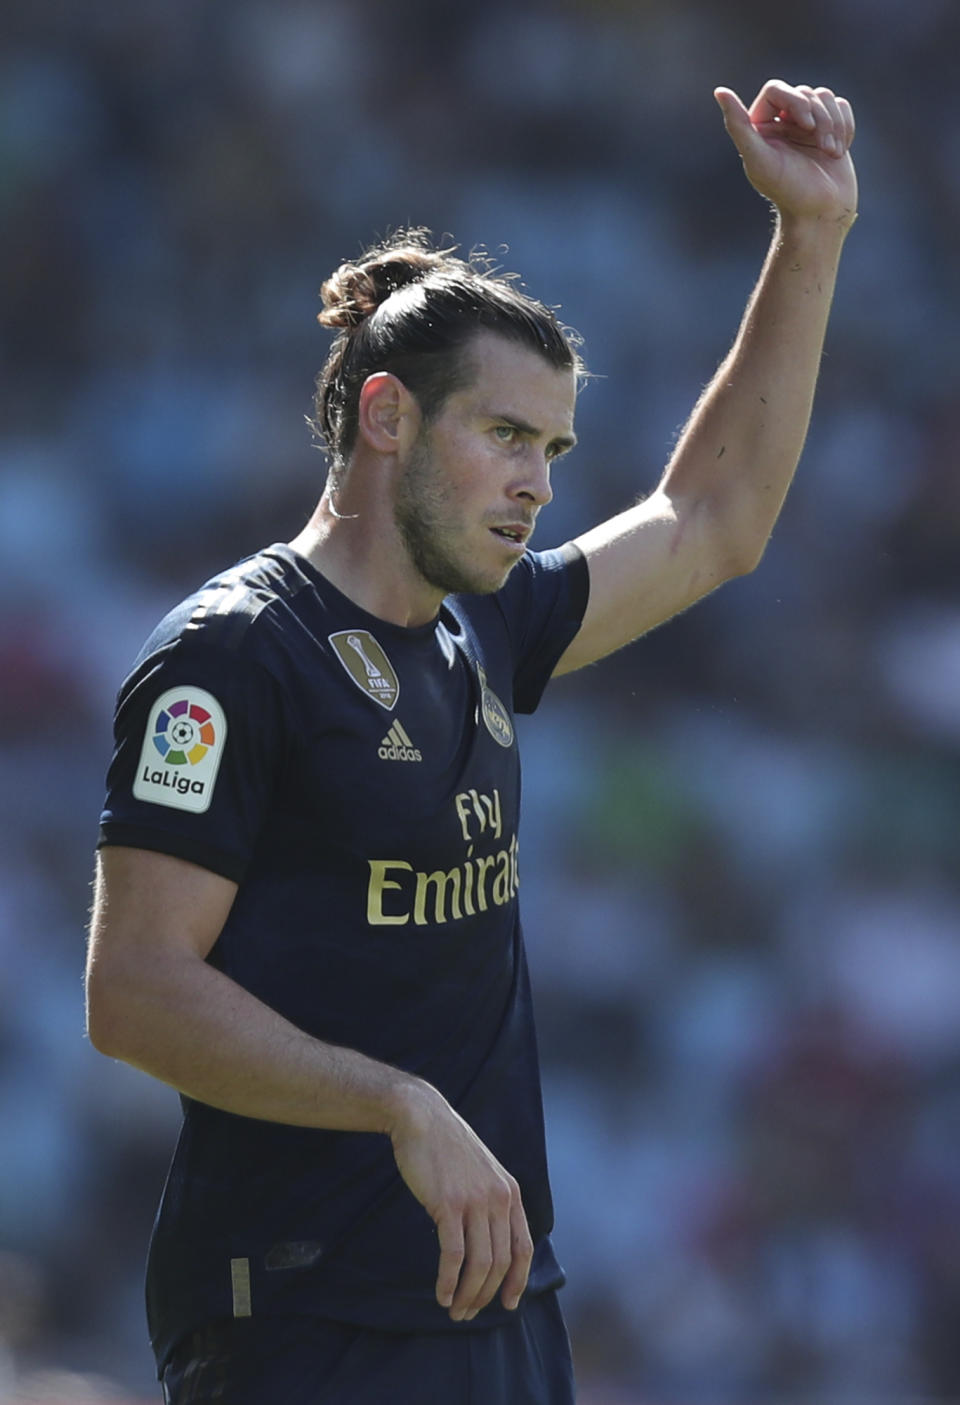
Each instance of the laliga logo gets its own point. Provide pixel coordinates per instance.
(184, 733)
(188, 728)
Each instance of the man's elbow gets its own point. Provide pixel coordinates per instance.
(743, 540)
(733, 557)
(102, 1028)
(732, 541)
(746, 529)
(746, 559)
(108, 1014)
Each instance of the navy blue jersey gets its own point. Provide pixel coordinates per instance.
(360, 782)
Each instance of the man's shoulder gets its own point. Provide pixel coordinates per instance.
(235, 609)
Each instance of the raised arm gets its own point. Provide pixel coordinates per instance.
(154, 1001)
(711, 515)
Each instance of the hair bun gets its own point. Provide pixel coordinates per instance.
(356, 290)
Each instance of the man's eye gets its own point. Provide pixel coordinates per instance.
(506, 433)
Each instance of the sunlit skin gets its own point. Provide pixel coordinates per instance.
(424, 503)
(484, 466)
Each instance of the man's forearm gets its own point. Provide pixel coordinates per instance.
(740, 448)
(188, 1024)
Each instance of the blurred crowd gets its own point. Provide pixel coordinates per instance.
(740, 869)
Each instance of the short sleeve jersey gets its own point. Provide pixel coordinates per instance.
(360, 782)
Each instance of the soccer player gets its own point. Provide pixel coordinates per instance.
(306, 899)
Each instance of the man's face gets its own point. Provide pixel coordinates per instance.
(480, 471)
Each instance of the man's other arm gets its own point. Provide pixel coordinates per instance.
(155, 1002)
(711, 515)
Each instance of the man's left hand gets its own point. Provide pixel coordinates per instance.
(795, 145)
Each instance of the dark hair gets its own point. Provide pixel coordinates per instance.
(409, 308)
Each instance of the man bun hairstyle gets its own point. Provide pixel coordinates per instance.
(410, 308)
(356, 290)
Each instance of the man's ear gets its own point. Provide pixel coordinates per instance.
(388, 417)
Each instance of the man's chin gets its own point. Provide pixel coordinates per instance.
(454, 581)
(487, 584)
(478, 574)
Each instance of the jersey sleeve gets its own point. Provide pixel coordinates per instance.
(543, 604)
(200, 742)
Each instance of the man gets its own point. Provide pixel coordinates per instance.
(305, 915)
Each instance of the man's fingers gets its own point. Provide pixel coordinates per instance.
(477, 1262)
(830, 128)
(734, 112)
(834, 134)
(521, 1257)
(802, 115)
(483, 1250)
(501, 1246)
(450, 1232)
(781, 101)
(822, 127)
(736, 119)
(831, 107)
(849, 125)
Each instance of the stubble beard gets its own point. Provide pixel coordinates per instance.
(422, 516)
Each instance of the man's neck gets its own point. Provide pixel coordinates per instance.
(367, 562)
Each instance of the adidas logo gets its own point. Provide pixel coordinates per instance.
(397, 746)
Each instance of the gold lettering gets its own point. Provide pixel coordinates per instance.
(492, 804)
(439, 879)
(376, 888)
(478, 810)
(462, 813)
(457, 892)
(468, 888)
(501, 883)
(486, 809)
(482, 865)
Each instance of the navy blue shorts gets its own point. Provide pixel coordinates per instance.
(312, 1361)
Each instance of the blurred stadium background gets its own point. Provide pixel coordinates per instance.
(740, 840)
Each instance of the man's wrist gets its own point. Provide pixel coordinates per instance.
(410, 1104)
(820, 231)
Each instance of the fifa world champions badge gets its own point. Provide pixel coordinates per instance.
(182, 749)
(368, 665)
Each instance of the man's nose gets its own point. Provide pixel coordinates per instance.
(534, 483)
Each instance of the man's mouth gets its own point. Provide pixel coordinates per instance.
(516, 534)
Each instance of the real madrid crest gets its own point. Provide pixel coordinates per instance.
(495, 715)
(367, 665)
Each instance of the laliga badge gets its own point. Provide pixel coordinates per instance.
(182, 749)
(495, 715)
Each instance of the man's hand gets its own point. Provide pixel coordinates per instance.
(795, 145)
(484, 1240)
